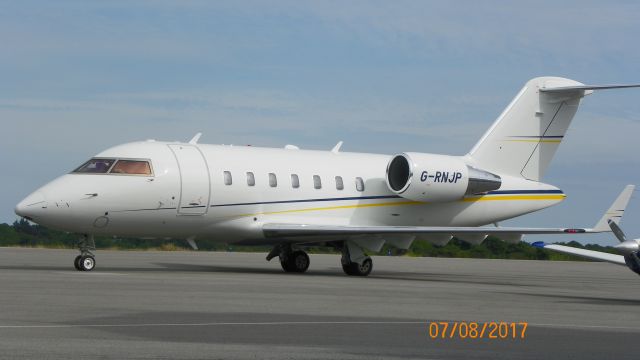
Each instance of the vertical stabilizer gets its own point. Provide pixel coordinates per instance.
(524, 138)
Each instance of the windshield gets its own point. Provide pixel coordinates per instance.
(116, 167)
(133, 167)
(95, 166)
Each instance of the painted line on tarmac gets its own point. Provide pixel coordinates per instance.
(44, 326)
(573, 326)
(287, 323)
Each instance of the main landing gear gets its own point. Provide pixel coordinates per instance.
(86, 261)
(354, 261)
(296, 261)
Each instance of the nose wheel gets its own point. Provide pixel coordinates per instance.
(86, 261)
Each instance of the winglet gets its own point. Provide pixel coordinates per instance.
(616, 210)
(195, 139)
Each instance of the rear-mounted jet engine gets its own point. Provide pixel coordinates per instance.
(437, 178)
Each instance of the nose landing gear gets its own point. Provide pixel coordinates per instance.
(86, 261)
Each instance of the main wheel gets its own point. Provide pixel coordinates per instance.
(298, 261)
(87, 263)
(76, 263)
(355, 269)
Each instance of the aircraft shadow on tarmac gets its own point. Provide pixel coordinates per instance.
(337, 272)
(330, 272)
(333, 272)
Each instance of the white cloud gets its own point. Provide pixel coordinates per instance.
(537, 29)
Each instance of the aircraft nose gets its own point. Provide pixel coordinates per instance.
(31, 205)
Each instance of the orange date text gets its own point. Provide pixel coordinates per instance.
(477, 330)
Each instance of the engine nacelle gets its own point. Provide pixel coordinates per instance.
(437, 178)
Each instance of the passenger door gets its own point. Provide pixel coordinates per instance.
(195, 182)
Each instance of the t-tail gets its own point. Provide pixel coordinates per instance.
(525, 137)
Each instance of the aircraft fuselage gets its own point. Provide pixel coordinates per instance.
(227, 192)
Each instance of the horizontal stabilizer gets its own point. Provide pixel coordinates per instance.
(589, 254)
(561, 89)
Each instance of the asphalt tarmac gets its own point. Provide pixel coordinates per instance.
(201, 305)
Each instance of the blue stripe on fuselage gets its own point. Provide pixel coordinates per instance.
(497, 192)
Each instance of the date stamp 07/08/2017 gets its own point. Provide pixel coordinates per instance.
(493, 330)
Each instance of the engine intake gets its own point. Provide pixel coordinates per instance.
(437, 178)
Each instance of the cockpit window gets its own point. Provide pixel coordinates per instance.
(116, 167)
(131, 167)
(95, 166)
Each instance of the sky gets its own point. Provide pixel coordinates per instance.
(77, 77)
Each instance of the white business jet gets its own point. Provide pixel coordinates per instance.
(292, 198)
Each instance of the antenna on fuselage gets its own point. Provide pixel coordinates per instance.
(195, 139)
(336, 149)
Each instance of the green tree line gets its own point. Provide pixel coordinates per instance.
(25, 234)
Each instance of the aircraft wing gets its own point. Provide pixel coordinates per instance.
(293, 230)
(589, 254)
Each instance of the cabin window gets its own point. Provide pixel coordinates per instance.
(359, 184)
(317, 183)
(95, 166)
(228, 179)
(251, 180)
(295, 182)
(273, 181)
(339, 183)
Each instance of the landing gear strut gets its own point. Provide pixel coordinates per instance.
(86, 261)
(290, 260)
(354, 261)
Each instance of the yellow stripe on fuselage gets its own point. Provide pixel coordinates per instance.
(402, 203)
(515, 197)
(335, 208)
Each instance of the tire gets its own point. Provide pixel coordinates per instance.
(347, 268)
(298, 261)
(286, 265)
(87, 263)
(76, 263)
(355, 269)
